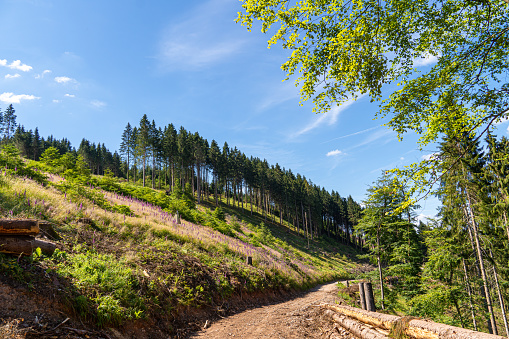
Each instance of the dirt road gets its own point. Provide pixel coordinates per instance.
(297, 318)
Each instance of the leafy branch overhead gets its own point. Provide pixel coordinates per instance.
(343, 49)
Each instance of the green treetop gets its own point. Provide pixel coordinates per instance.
(342, 49)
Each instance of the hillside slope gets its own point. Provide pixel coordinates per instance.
(125, 261)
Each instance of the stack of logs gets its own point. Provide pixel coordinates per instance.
(372, 325)
(18, 236)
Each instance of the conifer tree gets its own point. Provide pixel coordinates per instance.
(9, 122)
(126, 146)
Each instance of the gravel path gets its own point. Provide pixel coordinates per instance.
(297, 318)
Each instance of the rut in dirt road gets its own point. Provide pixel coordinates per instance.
(296, 318)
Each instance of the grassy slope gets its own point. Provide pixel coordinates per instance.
(121, 258)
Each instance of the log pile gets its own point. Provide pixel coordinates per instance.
(18, 236)
(365, 324)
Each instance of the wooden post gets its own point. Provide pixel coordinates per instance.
(370, 299)
(178, 218)
(250, 261)
(362, 295)
(347, 283)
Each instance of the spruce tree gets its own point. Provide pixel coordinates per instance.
(9, 122)
(126, 146)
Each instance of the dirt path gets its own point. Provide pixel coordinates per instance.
(297, 318)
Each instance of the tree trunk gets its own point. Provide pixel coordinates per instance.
(500, 297)
(481, 265)
(380, 275)
(469, 291)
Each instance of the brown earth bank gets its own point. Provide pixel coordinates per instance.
(42, 313)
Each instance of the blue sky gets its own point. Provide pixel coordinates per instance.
(84, 69)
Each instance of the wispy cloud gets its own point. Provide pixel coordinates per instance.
(16, 64)
(352, 134)
(69, 95)
(98, 104)
(64, 80)
(198, 42)
(12, 76)
(11, 98)
(386, 134)
(334, 153)
(40, 76)
(329, 118)
(56, 101)
(277, 95)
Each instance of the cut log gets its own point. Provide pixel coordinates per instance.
(19, 227)
(412, 327)
(355, 327)
(25, 245)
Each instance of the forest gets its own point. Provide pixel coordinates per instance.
(453, 268)
(160, 158)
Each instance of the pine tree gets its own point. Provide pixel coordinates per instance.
(9, 122)
(126, 146)
(143, 143)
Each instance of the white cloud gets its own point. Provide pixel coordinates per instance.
(11, 98)
(278, 94)
(200, 41)
(502, 119)
(334, 153)
(97, 103)
(69, 95)
(39, 76)
(429, 156)
(3, 62)
(330, 117)
(424, 217)
(190, 55)
(16, 64)
(56, 101)
(12, 76)
(427, 60)
(64, 80)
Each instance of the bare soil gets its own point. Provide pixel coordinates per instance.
(300, 317)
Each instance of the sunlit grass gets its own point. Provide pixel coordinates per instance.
(145, 264)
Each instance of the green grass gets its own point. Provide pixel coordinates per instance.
(122, 259)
